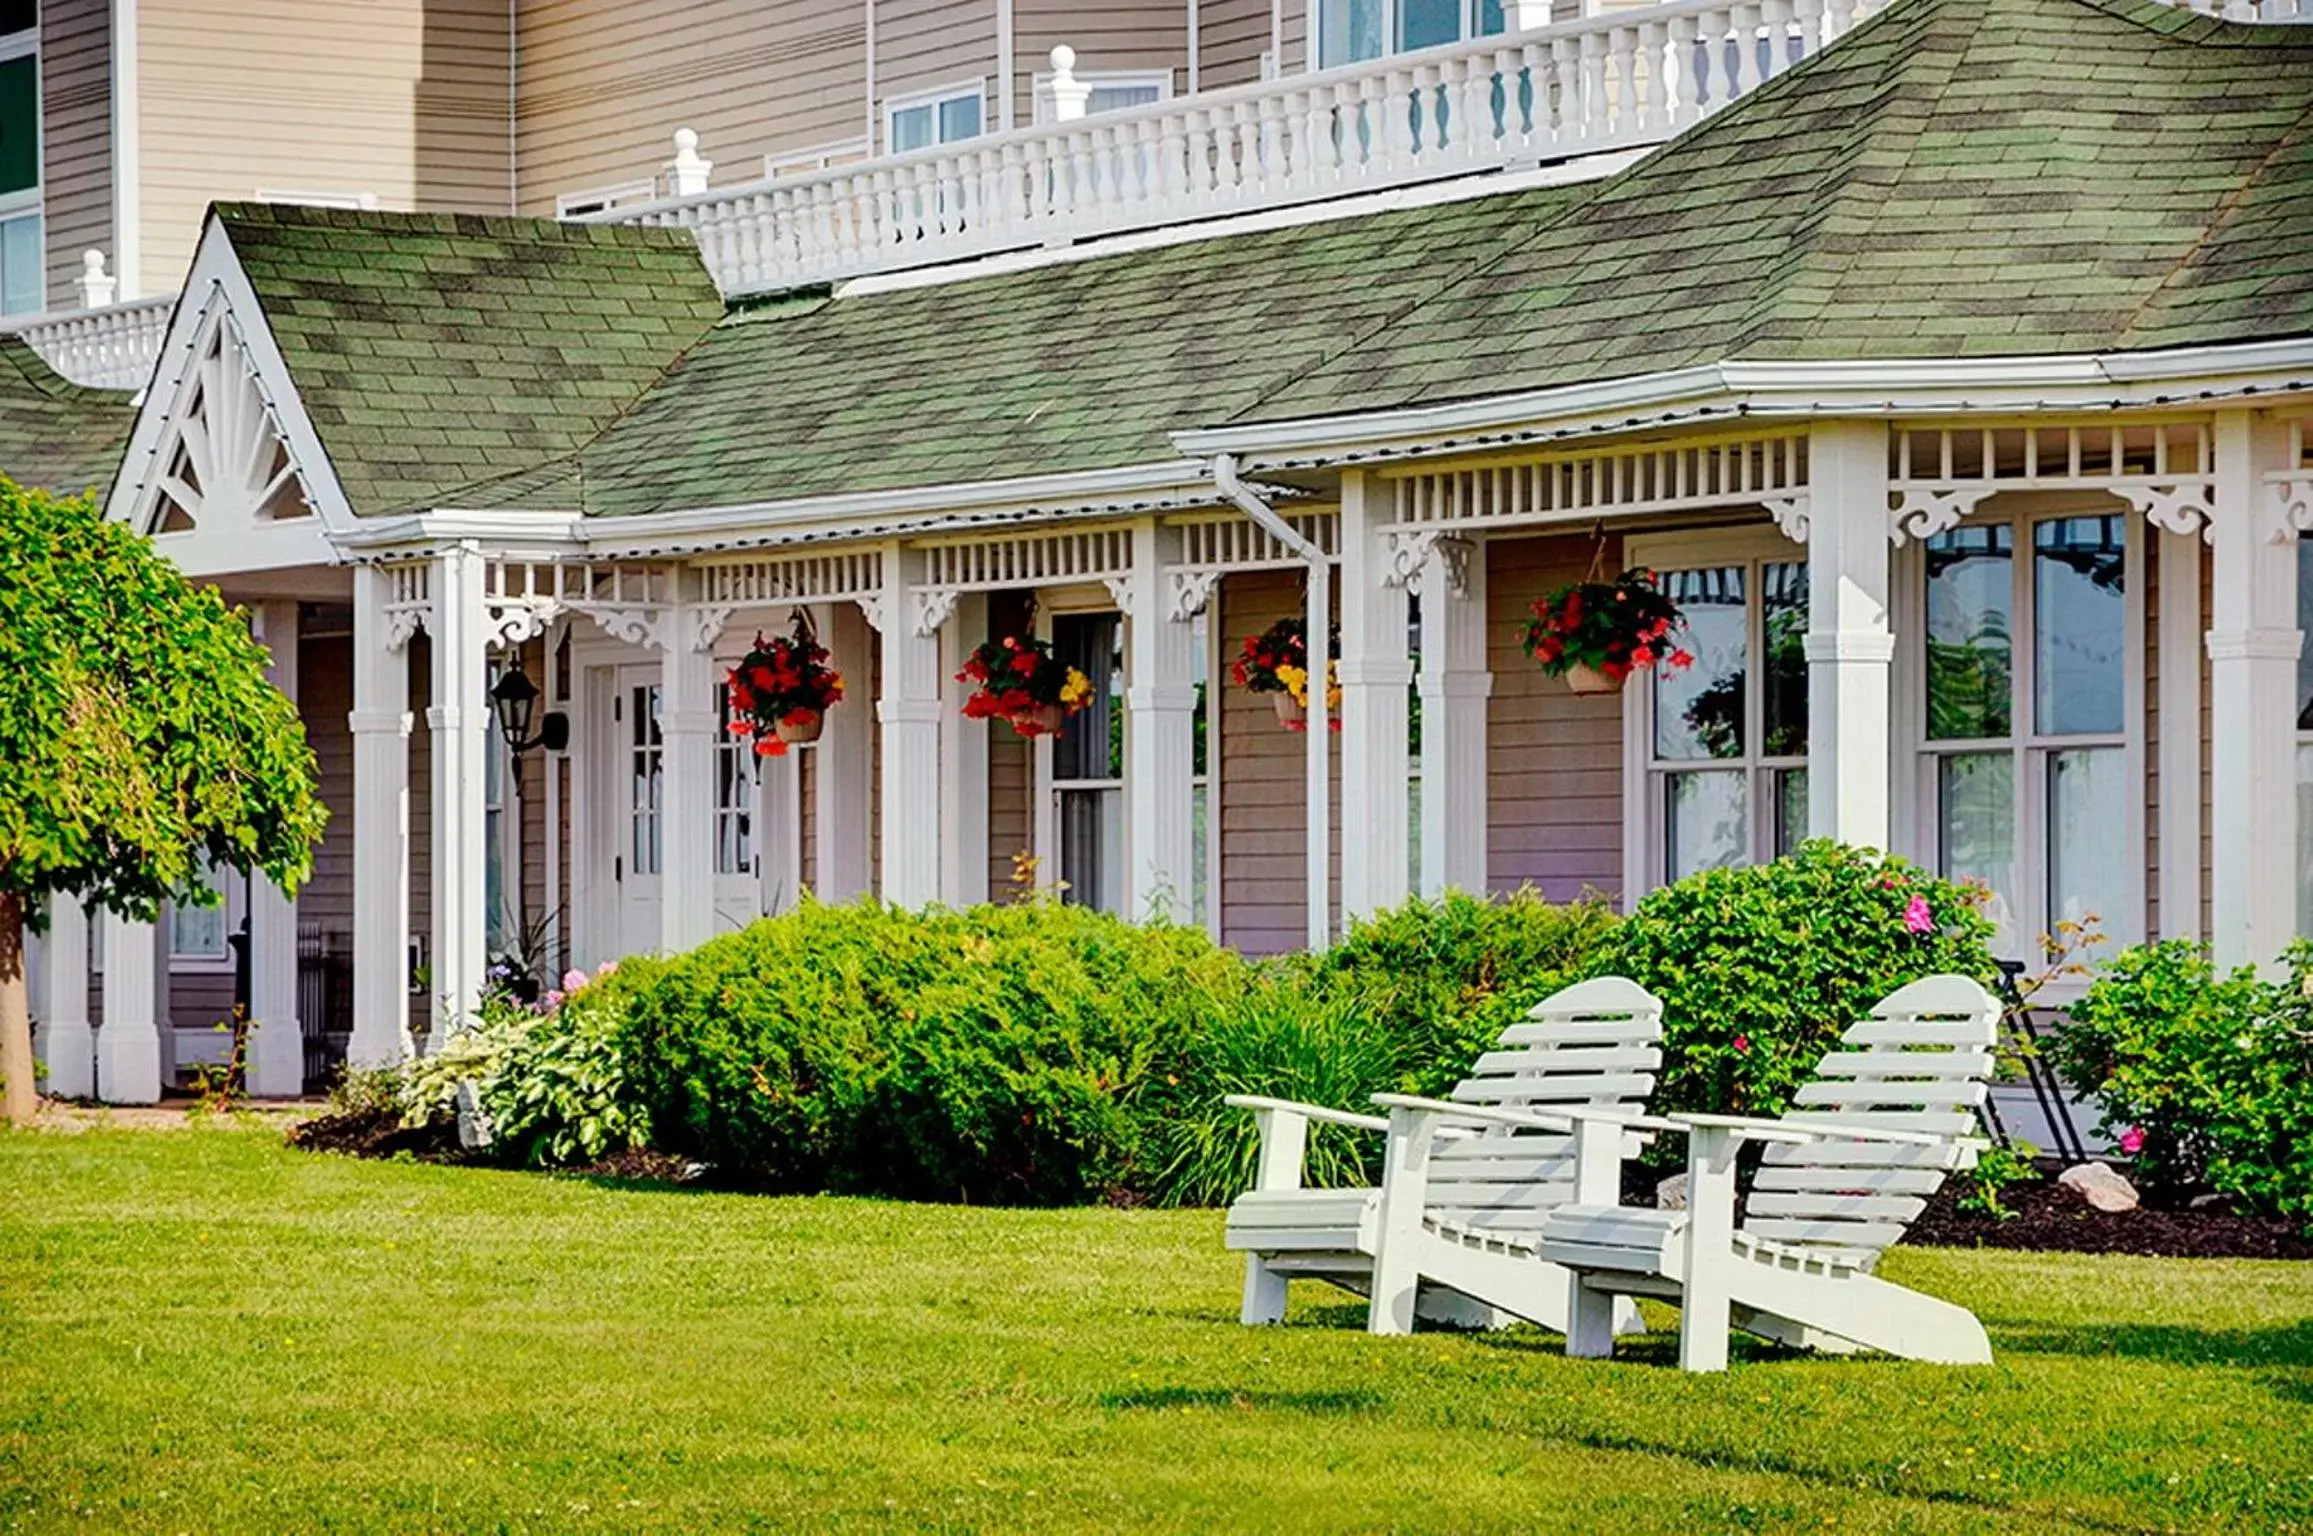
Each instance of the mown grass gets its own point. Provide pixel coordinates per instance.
(204, 1331)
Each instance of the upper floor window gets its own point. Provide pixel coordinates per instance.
(945, 116)
(22, 260)
(1113, 90)
(2026, 782)
(1349, 31)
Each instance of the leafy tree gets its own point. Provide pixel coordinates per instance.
(139, 734)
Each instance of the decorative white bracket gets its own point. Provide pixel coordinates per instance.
(519, 620)
(2292, 505)
(1411, 551)
(1792, 514)
(1119, 593)
(1922, 513)
(660, 626)
(871, 606)
(934, 607)
(1189, 590)
(2186, 506)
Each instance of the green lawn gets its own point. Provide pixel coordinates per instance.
(203, 1331)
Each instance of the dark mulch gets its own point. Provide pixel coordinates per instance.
(377, 1133)
(2049, 1219)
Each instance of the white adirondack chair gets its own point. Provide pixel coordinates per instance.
(1845, 1171)
(1466, 1184)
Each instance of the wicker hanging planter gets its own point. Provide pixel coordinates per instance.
(781, 692)
(800, 728)
(1291, 712)
(1039, 720)
(1018, 680)
(1589, 680)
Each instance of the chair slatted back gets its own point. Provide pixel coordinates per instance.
(1598, 1044)
(1921, 1062)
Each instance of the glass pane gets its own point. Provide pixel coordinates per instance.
(1426, 23)
(1490, 19)
(2304, 840)
(1091, 743)
(1971, 658)
(911, 128)
(2087, 858)
(1783, 670)
(494, 911)
(1115, 98)
(1092, 847)
(198, 932)
(1706, 824)
(2079, 630)
(1976, 830)
(19, 124)
(22, 282)
(2305, 623)
(1698, 713)
(1790, 809)
(959, 119)
(1199, 877)
(1347, 31)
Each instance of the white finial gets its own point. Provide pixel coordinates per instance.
(97, 286)
(687, 172)
(1069, 94)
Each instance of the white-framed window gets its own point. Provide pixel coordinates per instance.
(2305, 738)
(814, 157)
(1352, 31)
(734, 792)
(198, 934)
(2024, 678)
(361, 202)
(1113, 90)
(949, 114)
(1717, 754)
(593, 200)
(23, 257)
(646, 780)
(1088, 763)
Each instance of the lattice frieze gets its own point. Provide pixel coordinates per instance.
(1215, 547)
(767, 581)
(1567, 487)
(410, 603)
(2165, 470)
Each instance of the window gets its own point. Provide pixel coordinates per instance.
(579, 205)
(2027, 783)
(1088, 763)
(498, 925)
(199, 933)
(1113, 90)
(946, 116)
(1350, 31)
(816, 157)
(646, 779)
(734, 791)
(1725, 741)
(2305, 738)
(23, 276)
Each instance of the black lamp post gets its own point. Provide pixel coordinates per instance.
(515, 698)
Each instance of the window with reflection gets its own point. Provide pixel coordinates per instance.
(2305, 739)
(1727, 737)
(1088, 763)
(2026, 690)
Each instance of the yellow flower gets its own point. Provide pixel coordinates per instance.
(1296, 681)
(1075, 688)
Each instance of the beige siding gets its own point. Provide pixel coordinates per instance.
(1554, 778)
(1231, 37)
(807, 817)
(75, 139)
(601, 86)
(1011, 807)
(924, 44)
(1264, 847)
(1106, 34)
(390, 98)
(324, 698)
(421, 820)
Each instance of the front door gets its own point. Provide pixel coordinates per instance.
(639, 773)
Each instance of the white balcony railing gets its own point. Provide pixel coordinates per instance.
(1558, 93)
(110, 348)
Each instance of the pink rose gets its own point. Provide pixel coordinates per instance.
(572, 980)
(2132, 1140)
(1916, 916)
(1742, 1042)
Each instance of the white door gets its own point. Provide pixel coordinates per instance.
(638, 772)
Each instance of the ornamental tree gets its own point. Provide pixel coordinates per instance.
(139, 734)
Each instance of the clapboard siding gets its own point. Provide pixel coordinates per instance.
(1011, 807)
(922, 44)
(1264, 848)
(1106, 34)
(1554, 761)
(75, 139)
(324, 698)
(601, 87)
(465, 107)
(1231, 37)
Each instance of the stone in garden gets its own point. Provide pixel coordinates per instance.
(2100, 1185)
(1671, 1193)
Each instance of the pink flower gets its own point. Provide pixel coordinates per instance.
(1916, 916)
(605, 969)
(2132, 1140)
(1742, 1042)
(572, 980)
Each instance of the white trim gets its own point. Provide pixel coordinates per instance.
(1040, 89)
(127, 204)
(585, 202)
(1007, 68)
(24, 43)
(814, 157)
(359, 202)
(935, 97)
(230, 911)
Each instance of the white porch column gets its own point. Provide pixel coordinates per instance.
(2181, 632)
(963, 764)
(687, 725)
(277, 1043)
(1849, 642)
(1160, 737)
(380, 722)
(459, 718)
(2253, 642)
(67, 1046)
(910, 714)
(128, 1047)
(1316, 760)
(842, 776)
(1456, 682)
(1375, 674)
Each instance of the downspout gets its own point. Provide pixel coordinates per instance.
(1318, 622)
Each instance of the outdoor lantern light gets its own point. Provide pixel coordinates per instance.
(515, 697)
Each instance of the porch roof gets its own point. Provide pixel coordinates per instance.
(54, 435)
(1956, 178)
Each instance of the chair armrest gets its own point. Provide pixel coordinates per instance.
(1797, 1129)
(1483, 1113)
(1308, 1111)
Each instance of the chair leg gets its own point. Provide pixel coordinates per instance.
(1264, 1293)
(1590, 1320)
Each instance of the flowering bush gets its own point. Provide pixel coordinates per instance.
(2206, 1080)
(783, 689)
(1276, 661)
(1020, 681)
(1613, 628)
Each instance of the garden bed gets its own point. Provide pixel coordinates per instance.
(2047, 1218)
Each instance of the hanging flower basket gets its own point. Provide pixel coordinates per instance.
(1018, 680)
(782, 690)
(1595, 634)
(1276, 662)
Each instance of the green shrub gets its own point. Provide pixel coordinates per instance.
(996, 1055)
(2213, 1073)
(1760, 968)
